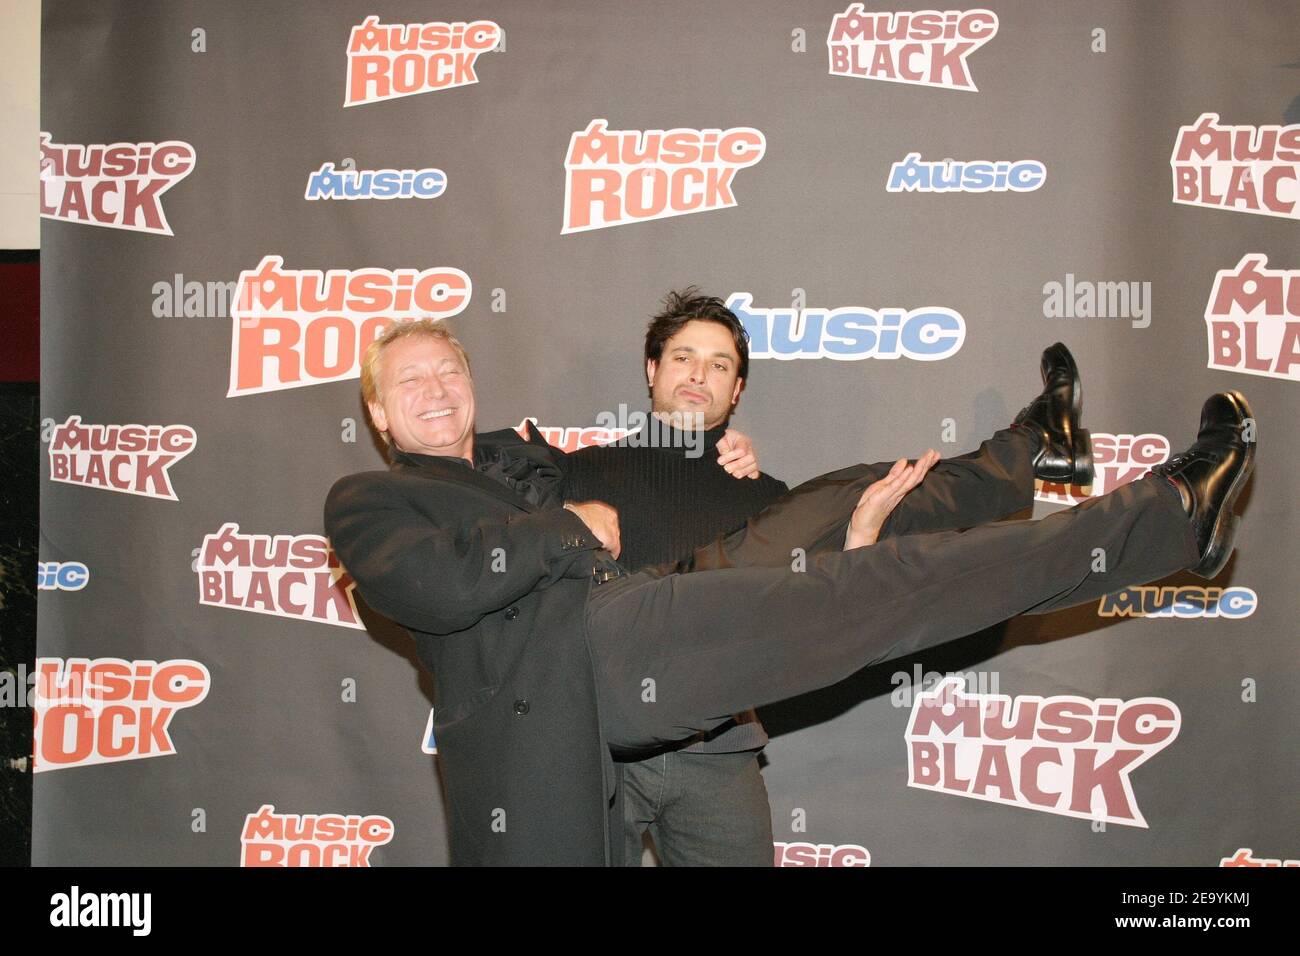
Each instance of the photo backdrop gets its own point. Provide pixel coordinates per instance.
(904, 204)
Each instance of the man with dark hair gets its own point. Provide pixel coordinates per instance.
(702, 800)
(688, 305)
(548, 655)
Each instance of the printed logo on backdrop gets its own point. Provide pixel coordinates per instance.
(1253, 169)
(132, 459)
(1244, 857)
(107, 709)
(118, 185)
(616, 177)
(428, 744)
(326, 839)
(923, 47)
(927, 334)
(297, 576)
(1117, 460)
(61, 576)
(966, 176)
(296, 327)
(1253, 320)
(390, 60)
(820, 854)
(1066, 755)
(1180, 602)
(569, 438)
(330, 183)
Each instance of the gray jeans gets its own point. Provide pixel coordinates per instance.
(701, 809)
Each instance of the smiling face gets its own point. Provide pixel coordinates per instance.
(426, 398)
(697, 373)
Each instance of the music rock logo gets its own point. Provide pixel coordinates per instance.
(107, 709)
(388, 60)
(296, 327)
(923, 47)
(118, 185)
(616, 177)
(1253, 320)
(1066, 755)
(132, 459)
(326, 839)
(297, 576)
(1251, 169)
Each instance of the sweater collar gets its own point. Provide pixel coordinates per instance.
(670, 439)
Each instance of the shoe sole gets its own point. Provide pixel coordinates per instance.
(1082, 473)
(1082, 454)
(1226, 524)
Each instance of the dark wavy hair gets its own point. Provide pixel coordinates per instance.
(680, 307)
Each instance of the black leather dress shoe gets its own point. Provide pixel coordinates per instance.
(1211, 474)
(1065, 449)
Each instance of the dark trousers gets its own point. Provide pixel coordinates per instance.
(701, 809)
(750, 623)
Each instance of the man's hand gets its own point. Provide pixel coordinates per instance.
(601, 519)
(881, 497)
(736, 454)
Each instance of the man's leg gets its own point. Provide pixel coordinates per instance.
(989, 484)
(716, 812)
(1046, 440)
(679, 653)
(985, 485)
(643, 797)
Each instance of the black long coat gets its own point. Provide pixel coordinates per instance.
(528, 775)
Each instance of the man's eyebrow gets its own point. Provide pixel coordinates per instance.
(691, 348)
(441, 363)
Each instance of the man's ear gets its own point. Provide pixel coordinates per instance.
(735, 392)
(651, 366)
(377, 416)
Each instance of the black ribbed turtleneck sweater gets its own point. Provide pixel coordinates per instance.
(669, 503)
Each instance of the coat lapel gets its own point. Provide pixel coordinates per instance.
(450, 469)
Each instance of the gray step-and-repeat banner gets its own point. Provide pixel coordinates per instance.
(911, 202)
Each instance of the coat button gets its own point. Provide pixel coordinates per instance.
(521, 707)
(512, 613)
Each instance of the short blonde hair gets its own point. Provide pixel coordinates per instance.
(421, 328)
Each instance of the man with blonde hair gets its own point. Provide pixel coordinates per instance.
(547, 654)
(424, 328)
